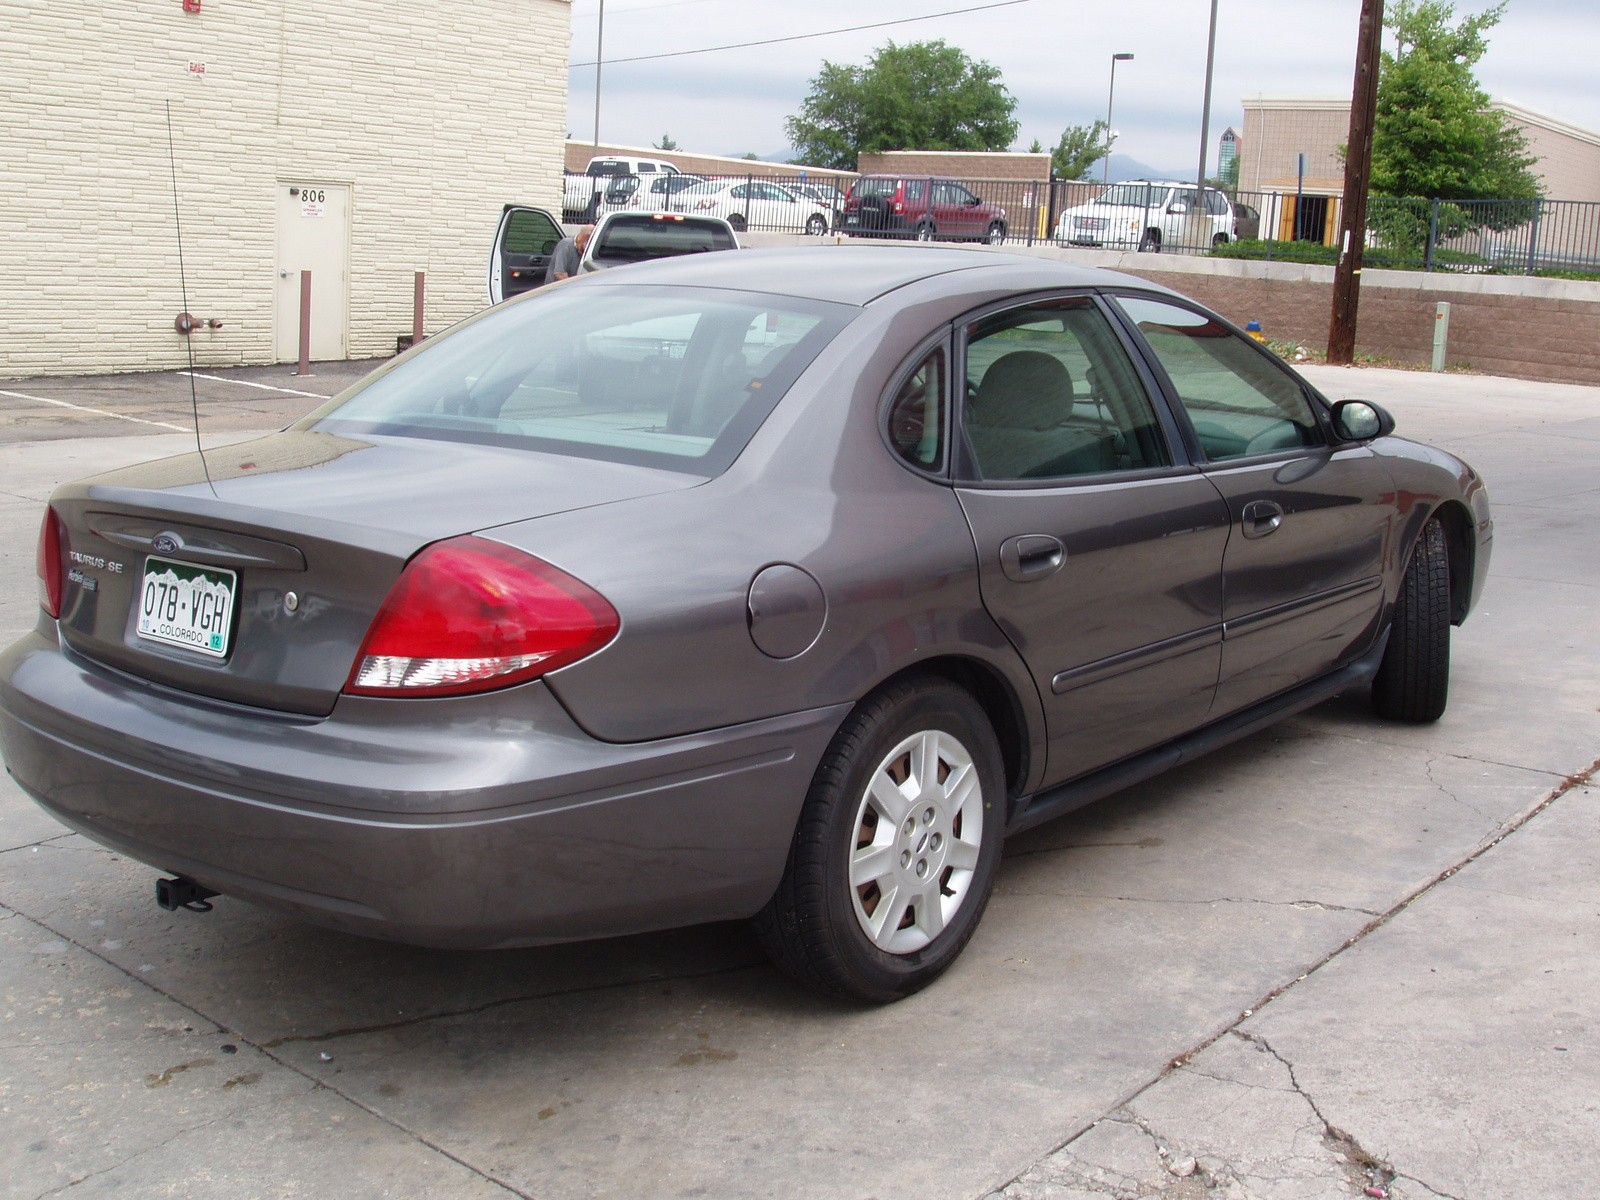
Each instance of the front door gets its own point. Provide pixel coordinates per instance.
(1302, 578)
(314, 236)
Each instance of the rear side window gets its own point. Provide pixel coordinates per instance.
(1051, 393)
(636, 237)
(530, 231)
(678, 378)
(916, 414)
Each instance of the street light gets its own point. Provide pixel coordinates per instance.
(1105, 175)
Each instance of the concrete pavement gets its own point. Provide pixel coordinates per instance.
(1337, 956)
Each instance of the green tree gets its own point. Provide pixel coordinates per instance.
(1080, 147)
(666, 143)
(921, 96)
(1435, 136)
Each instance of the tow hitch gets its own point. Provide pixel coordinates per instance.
(173, 894)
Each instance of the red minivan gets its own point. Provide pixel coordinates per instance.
(926, 207)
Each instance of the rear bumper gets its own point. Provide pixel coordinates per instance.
(482, 821)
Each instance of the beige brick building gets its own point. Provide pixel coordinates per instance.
(1277, 130)
(363, 141)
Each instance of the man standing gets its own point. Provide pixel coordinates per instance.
(567, 255)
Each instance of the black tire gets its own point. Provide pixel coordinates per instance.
(738, 222)
(925, 231)
(1413, 681)
(817, 926)
(1220, 239)
(1150, 242)
(996, 235)
(817, 225)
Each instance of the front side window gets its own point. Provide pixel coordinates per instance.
(1239, 401)
(678, 378)
(530, 231)
(1051, 393)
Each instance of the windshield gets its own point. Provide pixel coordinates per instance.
(708, 188)
(675, 377)
(1133, 195)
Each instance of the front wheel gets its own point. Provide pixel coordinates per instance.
(817, 225)
(738, 222)
(1413, 681)
(996, 235)
(925, 231)
(896, 848)
(1150, 242)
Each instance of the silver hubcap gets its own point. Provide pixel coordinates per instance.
(917, 833)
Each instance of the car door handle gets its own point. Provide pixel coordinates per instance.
(1260, 517)
(1031, 556)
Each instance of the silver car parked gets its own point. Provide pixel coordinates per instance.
(781, 584)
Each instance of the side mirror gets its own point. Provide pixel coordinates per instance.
(1360, 421)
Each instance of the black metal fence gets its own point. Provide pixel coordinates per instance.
(1513, 237)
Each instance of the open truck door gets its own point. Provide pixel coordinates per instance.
(522, 248)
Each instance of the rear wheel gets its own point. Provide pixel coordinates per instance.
(997, 233)
(925, 231)
(1150, 241)
(738, 222)
(896, 849)
(1220, 239)
(1413, 681)
(817, 225)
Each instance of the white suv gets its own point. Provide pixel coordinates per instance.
(1147, 214)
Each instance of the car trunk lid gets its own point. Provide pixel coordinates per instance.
(251, 577)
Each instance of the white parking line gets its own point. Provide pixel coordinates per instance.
(265, 387)
(99, 412)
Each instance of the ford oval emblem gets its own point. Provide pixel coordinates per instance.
(164, 543)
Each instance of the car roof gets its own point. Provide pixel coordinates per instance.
(858, 275)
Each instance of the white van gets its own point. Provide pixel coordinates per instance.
(1148, 214)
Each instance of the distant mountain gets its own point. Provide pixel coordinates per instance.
(1124, 167)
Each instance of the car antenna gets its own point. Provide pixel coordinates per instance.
(184, 321)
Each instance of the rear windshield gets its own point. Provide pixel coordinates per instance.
(679, 378)
(634, 237)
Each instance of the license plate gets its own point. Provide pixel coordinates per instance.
(188, 606)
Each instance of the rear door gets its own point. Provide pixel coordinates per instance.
(523, 243)
(1100, 551)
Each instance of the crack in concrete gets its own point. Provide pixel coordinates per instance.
(503, 1002)
(1578, 779)
(65, 833)
(1432, 1191)
(1427, 766)
(155, 1147)
(377, 1115)
(1304, 905)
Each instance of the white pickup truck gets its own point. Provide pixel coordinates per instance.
(581, 195)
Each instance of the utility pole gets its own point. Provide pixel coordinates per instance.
(1205, 111)
(599, 57)
(1357, 171)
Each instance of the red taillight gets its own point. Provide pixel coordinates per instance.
(468, 615)
(52, 540)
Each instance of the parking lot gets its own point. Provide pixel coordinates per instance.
(1339, 955)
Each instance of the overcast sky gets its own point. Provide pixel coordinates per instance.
(1053, 55)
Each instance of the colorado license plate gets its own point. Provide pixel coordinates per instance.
(186, 606)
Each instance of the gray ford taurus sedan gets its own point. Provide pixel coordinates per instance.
(775, 584)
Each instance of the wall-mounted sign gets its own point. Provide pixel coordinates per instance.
(197, 68)
(313, 202)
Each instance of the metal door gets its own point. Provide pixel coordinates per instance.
(313, 235)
